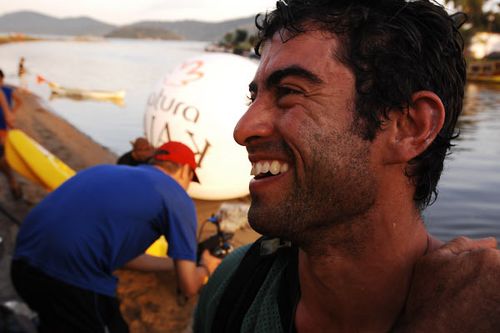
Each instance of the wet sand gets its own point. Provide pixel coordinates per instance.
(148, 299)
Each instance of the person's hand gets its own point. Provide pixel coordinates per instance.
(455, 289)
(209, 261)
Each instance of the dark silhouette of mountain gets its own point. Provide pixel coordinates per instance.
(29, 22)
(143, 32)
(198, 30)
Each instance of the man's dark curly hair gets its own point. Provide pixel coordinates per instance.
(394, 48)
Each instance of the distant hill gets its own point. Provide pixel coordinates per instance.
(35, 23)
(198, 30)
(143, 32)
(29, 22)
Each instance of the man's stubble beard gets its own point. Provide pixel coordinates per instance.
(338, 188)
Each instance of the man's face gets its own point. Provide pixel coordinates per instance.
(300, 127)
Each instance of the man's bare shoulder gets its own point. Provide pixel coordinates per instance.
(455, 288)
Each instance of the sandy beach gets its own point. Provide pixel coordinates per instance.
(148, 299)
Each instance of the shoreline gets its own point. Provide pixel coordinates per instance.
(16, 38)
(148, 300)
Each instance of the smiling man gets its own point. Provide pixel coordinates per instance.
(353, 109)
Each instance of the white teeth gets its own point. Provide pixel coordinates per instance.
(274, 167)
(258, 168)
(252, 172)
(265, 167)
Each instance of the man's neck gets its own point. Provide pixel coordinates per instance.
(361, 286)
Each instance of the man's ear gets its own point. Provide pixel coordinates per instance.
(186, 172)
(187, 175)
(182, 176)
(410, 132)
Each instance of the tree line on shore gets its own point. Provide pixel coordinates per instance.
(482, 15)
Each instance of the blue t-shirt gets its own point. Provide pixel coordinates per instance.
(103, 217)
(8, 95)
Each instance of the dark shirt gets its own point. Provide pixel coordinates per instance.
(128, 159)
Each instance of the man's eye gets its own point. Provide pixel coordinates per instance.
(283, 91)
(250, 98)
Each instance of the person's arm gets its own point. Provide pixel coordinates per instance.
(17, 101)
(149, 263)
(190, 278)
(455, 289)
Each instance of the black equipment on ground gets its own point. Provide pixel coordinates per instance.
(219, 244)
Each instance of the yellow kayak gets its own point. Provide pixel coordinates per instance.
(33, 161)
(158, 248)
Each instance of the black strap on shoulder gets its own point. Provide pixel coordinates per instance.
(289, 293)
(242, 288)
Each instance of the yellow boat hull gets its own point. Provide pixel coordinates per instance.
(33, 161)
(158, 248)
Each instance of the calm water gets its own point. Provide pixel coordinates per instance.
(469, 192)
(132, 65)
(469, 199)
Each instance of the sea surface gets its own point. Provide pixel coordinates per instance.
(469, 190)
(135, 66)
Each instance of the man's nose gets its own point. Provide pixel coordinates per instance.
(257, 122)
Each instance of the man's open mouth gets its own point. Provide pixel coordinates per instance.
(263, 169)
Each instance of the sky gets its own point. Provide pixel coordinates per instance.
(129, 11)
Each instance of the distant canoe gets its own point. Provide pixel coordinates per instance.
(487, 71)
(85, 94)
(115, 96)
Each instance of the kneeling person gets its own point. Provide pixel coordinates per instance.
(102, 219)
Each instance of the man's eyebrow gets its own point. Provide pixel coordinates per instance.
(276, 77)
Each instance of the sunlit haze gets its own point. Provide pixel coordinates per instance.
(130, 11)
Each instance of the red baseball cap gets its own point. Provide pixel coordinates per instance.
(179, 153)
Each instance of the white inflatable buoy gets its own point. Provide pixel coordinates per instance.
(199, 103)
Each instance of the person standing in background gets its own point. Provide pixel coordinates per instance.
(21, 70)
(21, 73)
(9, 104)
